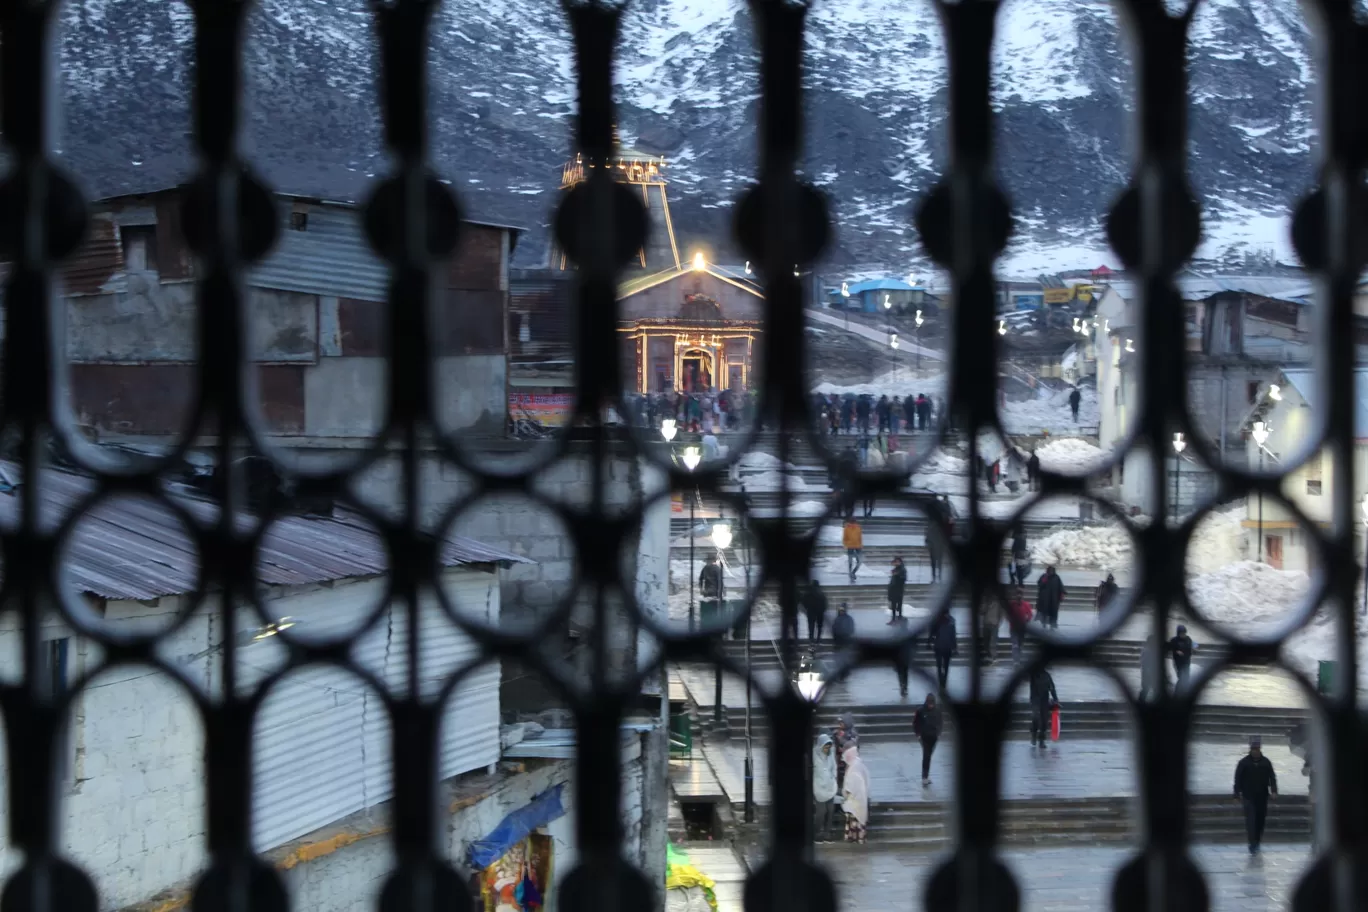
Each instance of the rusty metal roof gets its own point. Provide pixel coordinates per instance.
(130, 548)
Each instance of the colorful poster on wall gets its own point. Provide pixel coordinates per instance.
(547, 409)
(518, 880)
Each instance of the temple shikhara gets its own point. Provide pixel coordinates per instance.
(686, 325)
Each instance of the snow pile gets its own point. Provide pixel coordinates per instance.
(755, 459)
(774, 481)
(1050, 412)
(1248, 597)
(1102, 547)
(942, 472)
(1318, 641)
(1217, 541)
(901, 382)
(1071, 456)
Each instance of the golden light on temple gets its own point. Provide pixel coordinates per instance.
(698, 261)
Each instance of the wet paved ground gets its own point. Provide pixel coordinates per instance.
(879, 685)
(1074, 879)
(1065, 769)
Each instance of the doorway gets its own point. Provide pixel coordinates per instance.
(696, 371)
(1273, 551)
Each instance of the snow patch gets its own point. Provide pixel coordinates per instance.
(1071, 456)
(1106, 548)
(1248, 597)
(1050, 412)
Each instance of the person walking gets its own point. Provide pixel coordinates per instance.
(1043, 699)
(815, 607)
(1254, 782)
(843, 736)
(881, 414)
(855, 796)
(711, 585)
(1075, 398)
(910, 413)
(988, 626)
(852, 538)
(1018, 616)
(1033, 471)
(897, 581)
(994, 473)
(823, 787)
(1049, 595)
(1016, 572)
(902, 659)
(1180, 648)
(934, 551)
(843, 627)
(944, 643)
(1106, 591)
(926, 724)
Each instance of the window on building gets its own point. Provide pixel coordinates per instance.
(299, 221)
(1313, 473)
(139, 247)
(1252, 391)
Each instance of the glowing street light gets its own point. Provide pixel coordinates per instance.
(809, 685)
(845, 289)
(1130, 345)
(1260, 432)
(721, 536)
(748, 267)
(691, 458)
(1275, 392)
(1179, 444)
(795, 270)
(893, 340)
(668, 429)
(888, 303)
(698, 261)
(919, 319)
(1002, 327)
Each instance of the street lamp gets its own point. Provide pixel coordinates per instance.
(668, 429)
(721, 536)
(893, 343)
(888, 303)
(1002, 327)
(919, 321)
(748, 267)
(1275, 392)
(692, 457)
(1179, 444)
(1130, 346)
(1260, 432)
(698, 261)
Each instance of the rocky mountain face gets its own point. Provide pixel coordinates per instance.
(876, 95)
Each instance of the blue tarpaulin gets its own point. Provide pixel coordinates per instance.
(516, 827)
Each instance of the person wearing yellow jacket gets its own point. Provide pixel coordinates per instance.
(852, 538)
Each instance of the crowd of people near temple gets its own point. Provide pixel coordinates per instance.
(700, 411)
(863, 414)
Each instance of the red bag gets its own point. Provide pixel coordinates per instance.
(1054, 723)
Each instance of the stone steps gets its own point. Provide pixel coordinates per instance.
(893, 722)
(928, 825)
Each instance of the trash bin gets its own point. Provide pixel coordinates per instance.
(709, 612)
(1325, 676)
(681, 730)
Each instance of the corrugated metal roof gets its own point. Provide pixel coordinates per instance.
(330, 256)
(1304, 382)
(131, 549)
(1197, 288)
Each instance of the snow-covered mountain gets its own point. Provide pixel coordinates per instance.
(502, 98)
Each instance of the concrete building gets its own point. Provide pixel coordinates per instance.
(1239, 330)
(318, 324)
(1286, 405)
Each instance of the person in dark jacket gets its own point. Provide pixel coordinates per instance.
(1106, 591)
(923, 411)
(1180, 648)
(1015, 574)
(881, 414)
(843, 628)
(710, 583)
(1033, 471)
(862, 414)
(1049, 594)
(1075, 398)
(1043, 698)
(926, 724)
(910, 413)
(944, 644)
(1254, 781)
(934, 552)
(897, 581)
(815, 607)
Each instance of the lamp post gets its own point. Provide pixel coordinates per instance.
(721, 539)
(1260, 432)
(1002, 327)
(1179, 444)
(690, 459)
(919, 321)
(809, 684)
(845, 303)
(893, 343)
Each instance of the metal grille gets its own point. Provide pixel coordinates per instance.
(413, 222)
